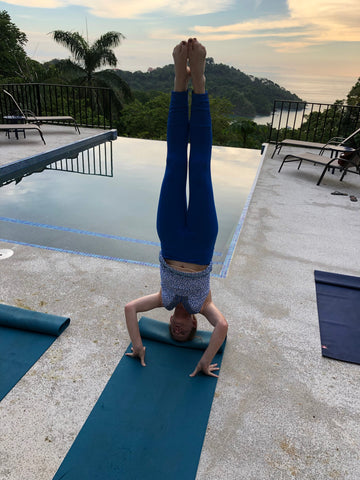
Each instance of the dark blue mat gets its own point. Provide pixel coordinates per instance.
(149, 422)
(338, 302)
(24, 336)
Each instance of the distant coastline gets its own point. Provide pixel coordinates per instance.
(312, 89)
(323, 89)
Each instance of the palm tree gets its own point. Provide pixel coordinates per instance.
(89, 58)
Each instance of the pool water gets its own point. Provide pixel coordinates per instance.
(103, 202)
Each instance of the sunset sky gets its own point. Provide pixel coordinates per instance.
(270, 38)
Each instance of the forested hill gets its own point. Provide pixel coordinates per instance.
(249, 95)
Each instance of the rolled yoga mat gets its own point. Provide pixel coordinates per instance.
(338, 303)
(149, 422)
(24, 336)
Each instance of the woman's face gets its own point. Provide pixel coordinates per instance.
(181, 324)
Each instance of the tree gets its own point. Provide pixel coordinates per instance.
(147, 119)
(353, 97)
(12, 53)
(89, 58)
(221, 110)
(244, 128)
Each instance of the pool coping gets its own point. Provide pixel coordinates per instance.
(18, 168)
(230, 253)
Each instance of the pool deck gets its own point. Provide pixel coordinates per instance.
(281, 410)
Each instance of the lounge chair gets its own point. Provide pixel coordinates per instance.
(29, 117)
(349, 162)
(20, 127)
(334, 145)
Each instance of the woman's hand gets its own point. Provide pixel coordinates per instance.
(142, 304)
(138, 353)
(206, 369)
(217, 319)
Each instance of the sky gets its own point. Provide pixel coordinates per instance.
(291, 42)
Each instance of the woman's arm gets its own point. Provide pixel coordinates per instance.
(142, 304)
(217, 319)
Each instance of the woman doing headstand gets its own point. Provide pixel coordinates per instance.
(187, 232)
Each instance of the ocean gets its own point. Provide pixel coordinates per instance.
(316, 89)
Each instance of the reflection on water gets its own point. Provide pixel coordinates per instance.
(285, 118)
(93, 161)
(97, 160)
(110, 209)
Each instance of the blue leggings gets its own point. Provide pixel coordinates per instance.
(188, 232)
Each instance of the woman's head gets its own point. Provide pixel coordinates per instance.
(182, 324)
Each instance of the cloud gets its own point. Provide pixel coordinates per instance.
(36, 3)
(133, 8)
(309, 22)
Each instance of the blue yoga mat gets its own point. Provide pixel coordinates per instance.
(24, 336)
(338, 302)
(149, 422)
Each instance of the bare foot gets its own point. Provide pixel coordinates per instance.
(197, 61)
(182, 71)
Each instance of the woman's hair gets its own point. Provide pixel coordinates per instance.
(191, 334)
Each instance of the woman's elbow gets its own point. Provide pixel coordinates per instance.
(129, 308)
(223, 325)
(226, 325)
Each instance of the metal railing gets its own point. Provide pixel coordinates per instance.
(312, 122)
(96, 161)
(89, 106)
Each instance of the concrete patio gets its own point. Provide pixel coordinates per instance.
(281, 410)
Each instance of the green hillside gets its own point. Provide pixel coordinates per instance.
(249, 95)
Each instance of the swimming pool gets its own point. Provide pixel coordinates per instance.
(102, 202)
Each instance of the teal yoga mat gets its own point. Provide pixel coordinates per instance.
(149, 422)
(24, 336)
